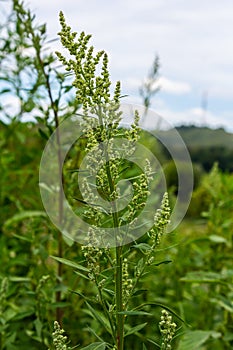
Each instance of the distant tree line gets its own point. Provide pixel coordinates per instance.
(207, 156)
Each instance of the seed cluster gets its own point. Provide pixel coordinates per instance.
(167, 329)
(59, 340)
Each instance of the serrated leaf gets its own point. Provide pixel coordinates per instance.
(70, 263)
(192, 340)
(135, 329)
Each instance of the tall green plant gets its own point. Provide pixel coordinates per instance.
(115, 272)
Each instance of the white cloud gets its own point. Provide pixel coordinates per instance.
(173, 86)
(195, 116)
(193, 40)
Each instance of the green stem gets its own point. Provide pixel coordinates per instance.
(107, 314)
(119, 299)
(118, 273)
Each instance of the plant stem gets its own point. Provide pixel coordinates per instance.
(118, 274)
(119, 299)
(54, 108)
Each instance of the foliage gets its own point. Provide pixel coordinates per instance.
(83, 295)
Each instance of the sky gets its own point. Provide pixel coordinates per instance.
(193, 39)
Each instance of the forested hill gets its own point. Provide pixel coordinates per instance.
(206, 146)
(195, 136)
(200, 137)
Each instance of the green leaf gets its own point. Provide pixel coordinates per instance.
(24, 215)
(217, 239)
(163, 307)
(162, 262)
(38, 326)
(19, 279)
(92, 331)
(99, 317)
(81, 295)
(192, 340)
(135, 329)
(82, 275)
(70, 263)
(67, 240)
(95, 346)
(23, 238)
(43, 134)
(139, 291)
(153, 342)
(143, 247)
(202, 277)
(135, 313)
(223, 302)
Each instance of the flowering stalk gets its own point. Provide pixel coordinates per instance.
(167, 329)
(93, 93)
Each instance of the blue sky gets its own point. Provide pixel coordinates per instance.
(194, 41)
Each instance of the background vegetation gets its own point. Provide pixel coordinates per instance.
(197, 281)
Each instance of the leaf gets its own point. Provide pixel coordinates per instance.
(92, 331)
(139, 291)
(43, 134)
(217, 239)
(162, 262)
(81, 295)
(202, 277)
(153, 342)
(67, 240)
(82, 275)
(24, 215)
(19, 279)
(27, 239)
(97, 315)
(38, 326)
(46, 187)
(163, 307)
(4, 91)
(135, 313)
(223, 302)
(70, 263)
(95, 346)
(135, 329)
(143, 247)
(192, 340)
